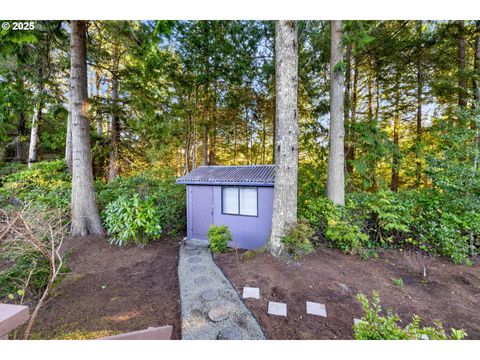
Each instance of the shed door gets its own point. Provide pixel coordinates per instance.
(202, 210)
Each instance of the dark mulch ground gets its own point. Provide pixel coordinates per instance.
(452, 293)
(112, 290)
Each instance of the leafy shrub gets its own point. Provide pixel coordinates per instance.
(218, 238)
(297, 240)
(348, 238)
(46, 183)
(336, 225)
(318, 211)
(374, 326)
(132, 219)
(387, 214)
(433, 221)
(167, 197)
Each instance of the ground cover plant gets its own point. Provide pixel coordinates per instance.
(375, 326)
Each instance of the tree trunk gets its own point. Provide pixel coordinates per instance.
(98, 82)
(370, 96)
(350, 156)
(188, 142)
(247, 137)
(274, 126)
(419, 105)
(34, 132)
(286, 140)
(85, 217)
(114, 131)
(204, 146)
(194, 151)
(462, 83)
(213, 136)
(476, 91)
(264, 139)
(346, 101)
(476, 67)
(68, 141)
(396, 125)
(21, 126)
(21, 132)
(336, 157)
(235, 141)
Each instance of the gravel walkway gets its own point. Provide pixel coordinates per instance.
(211, 308)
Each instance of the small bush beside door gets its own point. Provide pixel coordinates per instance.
(218, 238)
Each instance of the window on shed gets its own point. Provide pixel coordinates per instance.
(239, 200)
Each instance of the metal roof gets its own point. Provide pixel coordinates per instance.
(247, 175)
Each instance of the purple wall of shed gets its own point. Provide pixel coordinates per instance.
(248, 232)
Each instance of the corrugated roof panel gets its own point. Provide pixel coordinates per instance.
(260, 175)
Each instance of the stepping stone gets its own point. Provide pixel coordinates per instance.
(210, 294)
(317, 309)
(202, 280)
(195, 259)
(218, 314)
(276, 308)
(197, 268)
(193, 252)
(229, 333)
(253, 293)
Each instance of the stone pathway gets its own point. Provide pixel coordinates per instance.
(211, 308)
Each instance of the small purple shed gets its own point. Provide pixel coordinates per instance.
(240, 197)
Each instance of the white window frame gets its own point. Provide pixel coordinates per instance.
(239, 207)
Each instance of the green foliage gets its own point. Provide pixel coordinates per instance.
(397, 282)
(334, 223)
(348, 238)
(373, 146)
(28, 265)
(132, 219)
(374, 326)
(297, 240)
(10, 168)
(163, 195)
(429, 220)
(45, 183)
(218, 238)
(388, 216)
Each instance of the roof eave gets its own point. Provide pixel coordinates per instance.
(225, 183)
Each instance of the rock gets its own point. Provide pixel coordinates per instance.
(193, 252)
(197, 268)
(210, 294)
(194, 259)
(202, 280)
(218, 314)
(229, 333)
(344, 287)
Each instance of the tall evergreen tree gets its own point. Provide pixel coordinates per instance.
(85, 216)
(336, 160)
(286, 138)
